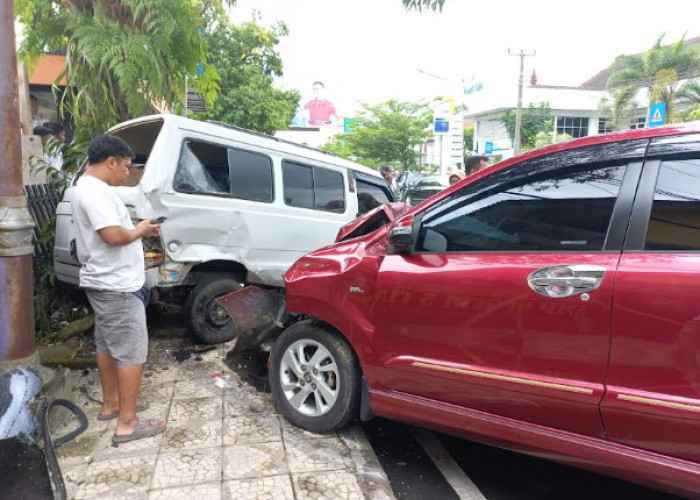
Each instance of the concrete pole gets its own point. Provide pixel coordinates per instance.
(519, 109)
(16, 283)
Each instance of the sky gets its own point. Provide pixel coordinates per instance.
(373, 50)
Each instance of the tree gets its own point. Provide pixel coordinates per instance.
(246, 59)
(689, 97)
(659, 71)
(421, 5)
(468, 139)
(389, 132)
(535, 119)
(123, 57)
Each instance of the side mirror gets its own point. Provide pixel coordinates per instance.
(401, 235)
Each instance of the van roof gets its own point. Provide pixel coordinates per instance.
(249, 136)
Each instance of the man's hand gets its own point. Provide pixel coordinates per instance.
(120, 236)
(147, 228)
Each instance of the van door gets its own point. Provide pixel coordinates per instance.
(653, 385)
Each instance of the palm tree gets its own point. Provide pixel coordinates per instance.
(660, 71)
(689, 98)
(122, 56)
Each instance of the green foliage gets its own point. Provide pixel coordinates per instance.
(545, 138)
(468, 139)
(54, 302)
(689, 97)
(658, 70)
(421, 5)
(535, 119)
(389, 132)
(247, 61)
(123, 57)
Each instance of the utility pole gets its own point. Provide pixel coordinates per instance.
(519, 110)
(16, 225)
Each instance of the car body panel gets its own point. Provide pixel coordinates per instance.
(523, 371)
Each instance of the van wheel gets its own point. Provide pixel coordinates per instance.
(315, 378)
(206, 320)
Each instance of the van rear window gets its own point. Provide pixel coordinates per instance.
(313, 187)
(213, 169)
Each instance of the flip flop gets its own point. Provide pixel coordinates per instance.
(140, 432)
(140, 406)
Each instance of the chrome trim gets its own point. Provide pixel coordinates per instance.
(658, 402)
(566, 280)
(505, 378)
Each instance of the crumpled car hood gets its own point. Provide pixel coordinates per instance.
(372, 220)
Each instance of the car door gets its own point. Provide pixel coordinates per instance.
(653, 397)
(504, 304)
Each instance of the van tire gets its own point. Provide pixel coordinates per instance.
(206, 320)
(347, 403)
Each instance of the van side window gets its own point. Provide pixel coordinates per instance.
(370, 196)
(251, 175)
(675, 213)
(565, 210)
(313, 187)
(202, 169)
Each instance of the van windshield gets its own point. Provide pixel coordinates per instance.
(140, 137)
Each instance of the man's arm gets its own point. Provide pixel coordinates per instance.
(120, 236)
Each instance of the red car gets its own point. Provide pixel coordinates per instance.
(549, 304)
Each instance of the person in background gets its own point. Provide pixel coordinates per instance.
(54, 156)
(110, 252)
(387, 172)
(475, 163)
(34, 110)
(456, 177)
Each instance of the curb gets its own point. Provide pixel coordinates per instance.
(370, 475)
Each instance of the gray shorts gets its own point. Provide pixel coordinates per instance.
(120, 325)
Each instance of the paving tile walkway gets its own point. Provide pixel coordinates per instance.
(220, 444)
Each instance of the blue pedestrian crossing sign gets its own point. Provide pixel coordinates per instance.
(488, 148)
(657, 114)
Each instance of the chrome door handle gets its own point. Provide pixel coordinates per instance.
(562, 281)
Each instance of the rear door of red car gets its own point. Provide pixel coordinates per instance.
(504, 305)
(653, 398)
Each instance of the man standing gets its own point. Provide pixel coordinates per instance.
(112, 274)
(475, 163)
(387, 172)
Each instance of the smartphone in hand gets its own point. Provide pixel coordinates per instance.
(159, 220)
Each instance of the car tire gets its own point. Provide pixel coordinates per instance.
(314, 410)
(205, 319)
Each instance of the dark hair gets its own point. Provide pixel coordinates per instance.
(385, 168)
(104, 146)
(318, 82)
(474, 162)
(32, 97)
(55, 127)
(41, 130)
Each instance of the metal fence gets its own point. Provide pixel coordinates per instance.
(42, 200)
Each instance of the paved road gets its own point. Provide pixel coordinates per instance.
(480, 472)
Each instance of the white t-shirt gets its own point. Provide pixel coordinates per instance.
(104, 267)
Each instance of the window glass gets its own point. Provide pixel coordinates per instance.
(298, 185)
(574, 126)
(370, 196)
(675, 214)
(561, 211)
(329, 190)
(202, 169)
(251, 175)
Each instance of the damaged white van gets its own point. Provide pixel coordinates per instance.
(241, 208)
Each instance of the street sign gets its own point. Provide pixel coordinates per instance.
(488, 147)
(347, 125)
(442, 126)
(657, 114)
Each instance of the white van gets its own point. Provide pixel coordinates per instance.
(241, 208)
